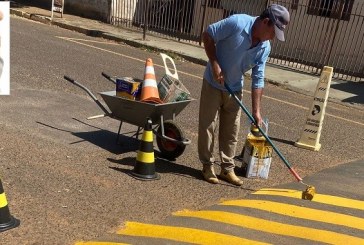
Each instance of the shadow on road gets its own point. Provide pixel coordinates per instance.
(161, 165)
(165, 166)
(353, 88)
(104, 139)
(107, 141)
(288, 142)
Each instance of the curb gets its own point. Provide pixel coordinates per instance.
(99, 33)
(35, 17)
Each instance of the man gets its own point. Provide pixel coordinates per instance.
(233, 46)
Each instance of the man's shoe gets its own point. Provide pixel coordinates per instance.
(230, 177)
(209, 174)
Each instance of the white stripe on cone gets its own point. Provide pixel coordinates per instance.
(149, 83)
(149, 70)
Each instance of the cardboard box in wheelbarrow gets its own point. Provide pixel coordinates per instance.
(257, 157)
(128, 87)
(172, 90)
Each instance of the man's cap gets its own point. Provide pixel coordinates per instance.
(280, 17)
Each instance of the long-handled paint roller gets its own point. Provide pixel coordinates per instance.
(310, 190)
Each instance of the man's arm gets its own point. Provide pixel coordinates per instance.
(257, 90)
(210, 50)
(256, 99)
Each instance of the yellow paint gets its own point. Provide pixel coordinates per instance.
(326, 199)
(300, 212)
(182, 234)
(101, 243)
(147, 136)
(274, 227)
(145, 157)
(199, 77)
(3, 202)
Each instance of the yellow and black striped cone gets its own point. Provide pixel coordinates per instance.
(6, 220)
(144, 168)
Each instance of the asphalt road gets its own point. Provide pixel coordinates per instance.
(67, 180)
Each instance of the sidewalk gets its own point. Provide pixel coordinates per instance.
(340, 91)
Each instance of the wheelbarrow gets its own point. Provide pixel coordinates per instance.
(169, 136)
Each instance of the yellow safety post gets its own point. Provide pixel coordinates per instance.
(310, 137)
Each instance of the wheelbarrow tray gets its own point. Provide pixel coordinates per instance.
(136, 112)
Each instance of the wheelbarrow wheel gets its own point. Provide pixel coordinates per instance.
(170, 150)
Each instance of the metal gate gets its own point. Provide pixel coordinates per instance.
(321, 32)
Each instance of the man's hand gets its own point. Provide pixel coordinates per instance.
(217, 73)
(258, 119)
(210, 50)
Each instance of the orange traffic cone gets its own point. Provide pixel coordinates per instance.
(7, 221)
(150, 92)
(144, 165)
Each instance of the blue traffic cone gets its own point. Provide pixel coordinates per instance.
(144, 168)
(7, 221)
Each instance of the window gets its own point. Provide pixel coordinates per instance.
(336, 9)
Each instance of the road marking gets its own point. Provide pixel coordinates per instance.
(94, 41)
(273, 227)
(199, 236)
(345, 119)
(300, 212)
(101, 243)
(198, 77)
(306, 108)
(122, 55)
(325, 199)
(182, 234)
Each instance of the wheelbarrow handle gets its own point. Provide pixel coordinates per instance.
(108, 77)
(71, 80)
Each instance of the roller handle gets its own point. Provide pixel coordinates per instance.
(298, 178)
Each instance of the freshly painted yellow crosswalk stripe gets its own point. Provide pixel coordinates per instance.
(182, 234)
(300, 212)
(273, 227)
(326, 199)
(200, 236)
(101, 243)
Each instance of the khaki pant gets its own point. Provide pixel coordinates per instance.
(216, 104)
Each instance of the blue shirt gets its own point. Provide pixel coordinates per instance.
(233, 40)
